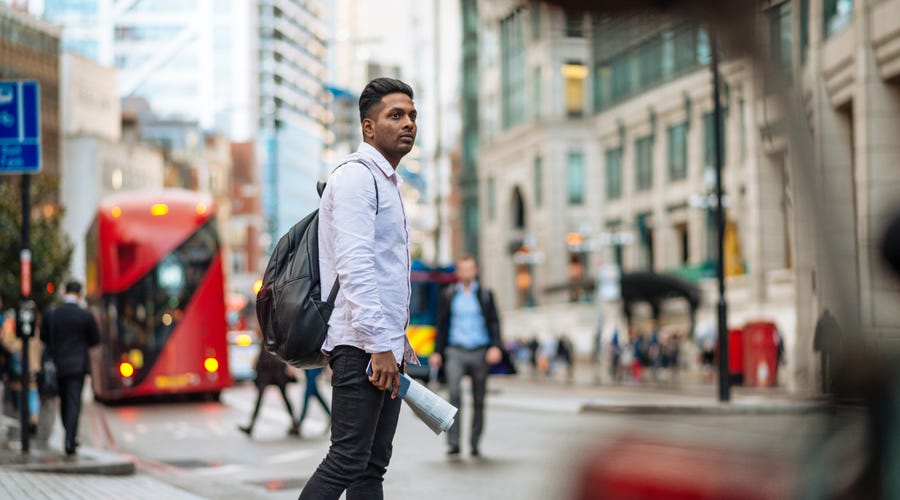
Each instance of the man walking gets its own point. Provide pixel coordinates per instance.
(68, 331)
(364, 242)
(467, 343)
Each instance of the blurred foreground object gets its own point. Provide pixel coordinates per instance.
(642, 469)
(890, 246)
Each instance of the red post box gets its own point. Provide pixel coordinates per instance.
(760, 354)
(736, 356)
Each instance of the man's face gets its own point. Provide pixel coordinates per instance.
(391, 128)
(466, 270)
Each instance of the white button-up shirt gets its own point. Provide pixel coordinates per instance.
(370, 255)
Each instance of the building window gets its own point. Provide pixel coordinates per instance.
(836, 15)
(677, 149)
(575, 177)
(491, 201)
(780, 36)
(471, 227)
(538, 181)
(518, 215)
(574, 24)
(536, 92)
(804, 30)
(645, 242)
(620, 77)
(613, 173)
(650, 62)
(512, 69)
(619, 73)
(684, 243)
(535, 20)
(602, 73)
(643, 163)
(704, 54)
(574, 74)
(709, 153)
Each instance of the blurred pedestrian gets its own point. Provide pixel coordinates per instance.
(14, 394)
(364, 239)
(828, 340)
(467, 343)
(271, 371)
(564, 356)
(615, 356)
(533, 348)
(312, 391)
(597, 352)
(68, 331)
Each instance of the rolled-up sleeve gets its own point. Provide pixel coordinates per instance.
(353, 203)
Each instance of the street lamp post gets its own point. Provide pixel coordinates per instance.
(722, 308)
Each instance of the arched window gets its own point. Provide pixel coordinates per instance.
(518, 210)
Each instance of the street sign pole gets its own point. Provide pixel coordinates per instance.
(26, 313)
(722, 308)
(20, 152)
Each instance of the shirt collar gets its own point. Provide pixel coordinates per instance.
(459, 286)
(368, 152)
(70, 299)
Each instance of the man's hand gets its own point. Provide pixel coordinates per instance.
(385, 374)
(435, 360)
(493, 356)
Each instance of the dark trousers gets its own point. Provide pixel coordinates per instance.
(70, 387)
(259, 397)
(458, 363)
(312, 391)
(362, 432)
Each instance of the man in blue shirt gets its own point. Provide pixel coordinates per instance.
(467, 343)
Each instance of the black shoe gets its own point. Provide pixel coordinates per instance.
(246, 429)
(294, 430)
(475, 452)
(71, 450)
(453, 451)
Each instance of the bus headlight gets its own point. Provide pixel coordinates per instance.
(211, 365)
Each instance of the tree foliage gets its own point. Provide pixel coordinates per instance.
(51, 250)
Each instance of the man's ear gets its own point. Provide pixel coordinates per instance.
(368, 128)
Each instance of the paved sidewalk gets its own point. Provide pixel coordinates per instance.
(47, 473)
(42, 485)
(688, 394)
(44, 458)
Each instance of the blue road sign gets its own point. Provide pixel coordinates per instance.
(20, 129)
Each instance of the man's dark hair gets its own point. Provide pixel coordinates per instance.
(467, 256)
(73, 287)
(378, 88)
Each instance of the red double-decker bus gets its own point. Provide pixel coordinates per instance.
(154, 279)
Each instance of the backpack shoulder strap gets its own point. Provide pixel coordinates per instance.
(320, 186)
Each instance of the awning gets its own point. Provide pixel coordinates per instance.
(654, 288)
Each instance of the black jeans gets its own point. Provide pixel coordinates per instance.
(70, 388)
(362, 431)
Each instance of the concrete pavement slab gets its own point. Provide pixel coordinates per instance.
(42, 458)
(42, 485)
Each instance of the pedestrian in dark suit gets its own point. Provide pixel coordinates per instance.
(467, 343)
(68, 331)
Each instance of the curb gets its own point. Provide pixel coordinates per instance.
(714, 408)
(88, 461)
(42, 459)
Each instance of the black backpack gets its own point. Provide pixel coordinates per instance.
(292, 317)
